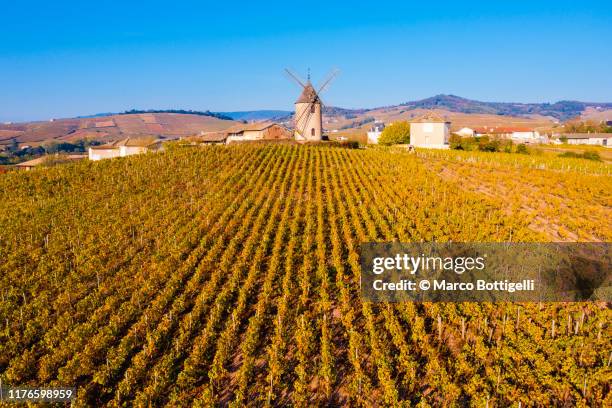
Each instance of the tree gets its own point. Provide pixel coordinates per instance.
(522, 149)
(456, 142)
(486, 144)
(395, 133)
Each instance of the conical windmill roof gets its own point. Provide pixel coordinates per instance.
(309, 95)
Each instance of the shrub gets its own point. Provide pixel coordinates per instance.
(522, 149)
(456, 142)
(350, 144)
(586, 155)
(487, 145)
(395, 133)
(591, 156)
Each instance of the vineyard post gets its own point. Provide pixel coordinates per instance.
(498, 378)
(576, 327)
(599, 333)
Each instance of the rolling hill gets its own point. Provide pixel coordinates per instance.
(460, 111)
(104, 128)
(562, 110)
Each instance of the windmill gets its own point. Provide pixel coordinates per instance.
(309, 107)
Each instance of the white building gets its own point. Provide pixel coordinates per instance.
(430, 131)
(519, 134)
(465, 132)
(125, 147)
(598, 139)
(375, 132)
(528, 135)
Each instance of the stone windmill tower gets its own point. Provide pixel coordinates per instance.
(308, 118)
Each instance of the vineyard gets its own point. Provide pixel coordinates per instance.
(230, 276)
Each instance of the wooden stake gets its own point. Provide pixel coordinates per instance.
(599, 333)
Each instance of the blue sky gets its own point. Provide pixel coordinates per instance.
(68, 58)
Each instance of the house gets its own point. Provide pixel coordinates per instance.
(430, 131)
(521, 134)
(601, 139)
(375, 132)
(125, 147)
(49, 160)
(243, 133)
(465, 132)
(208, 138)
(257, 131)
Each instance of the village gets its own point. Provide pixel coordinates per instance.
(428, 129)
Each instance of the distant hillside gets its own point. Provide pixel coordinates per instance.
(256, 115)
(562, 110)
(113, 127)
(137, 111)
(181, 111)
(175, 123)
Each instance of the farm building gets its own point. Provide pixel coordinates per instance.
(515, 133)
(465, 132)
(208, 138)
(49, 160)
(257, 131)
(125, 147)
(430, 131)
(375, 132)
(601, 139)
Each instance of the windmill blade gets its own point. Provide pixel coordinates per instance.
(295, 78)
(299, 118)
(303, 130)
(330, 77)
